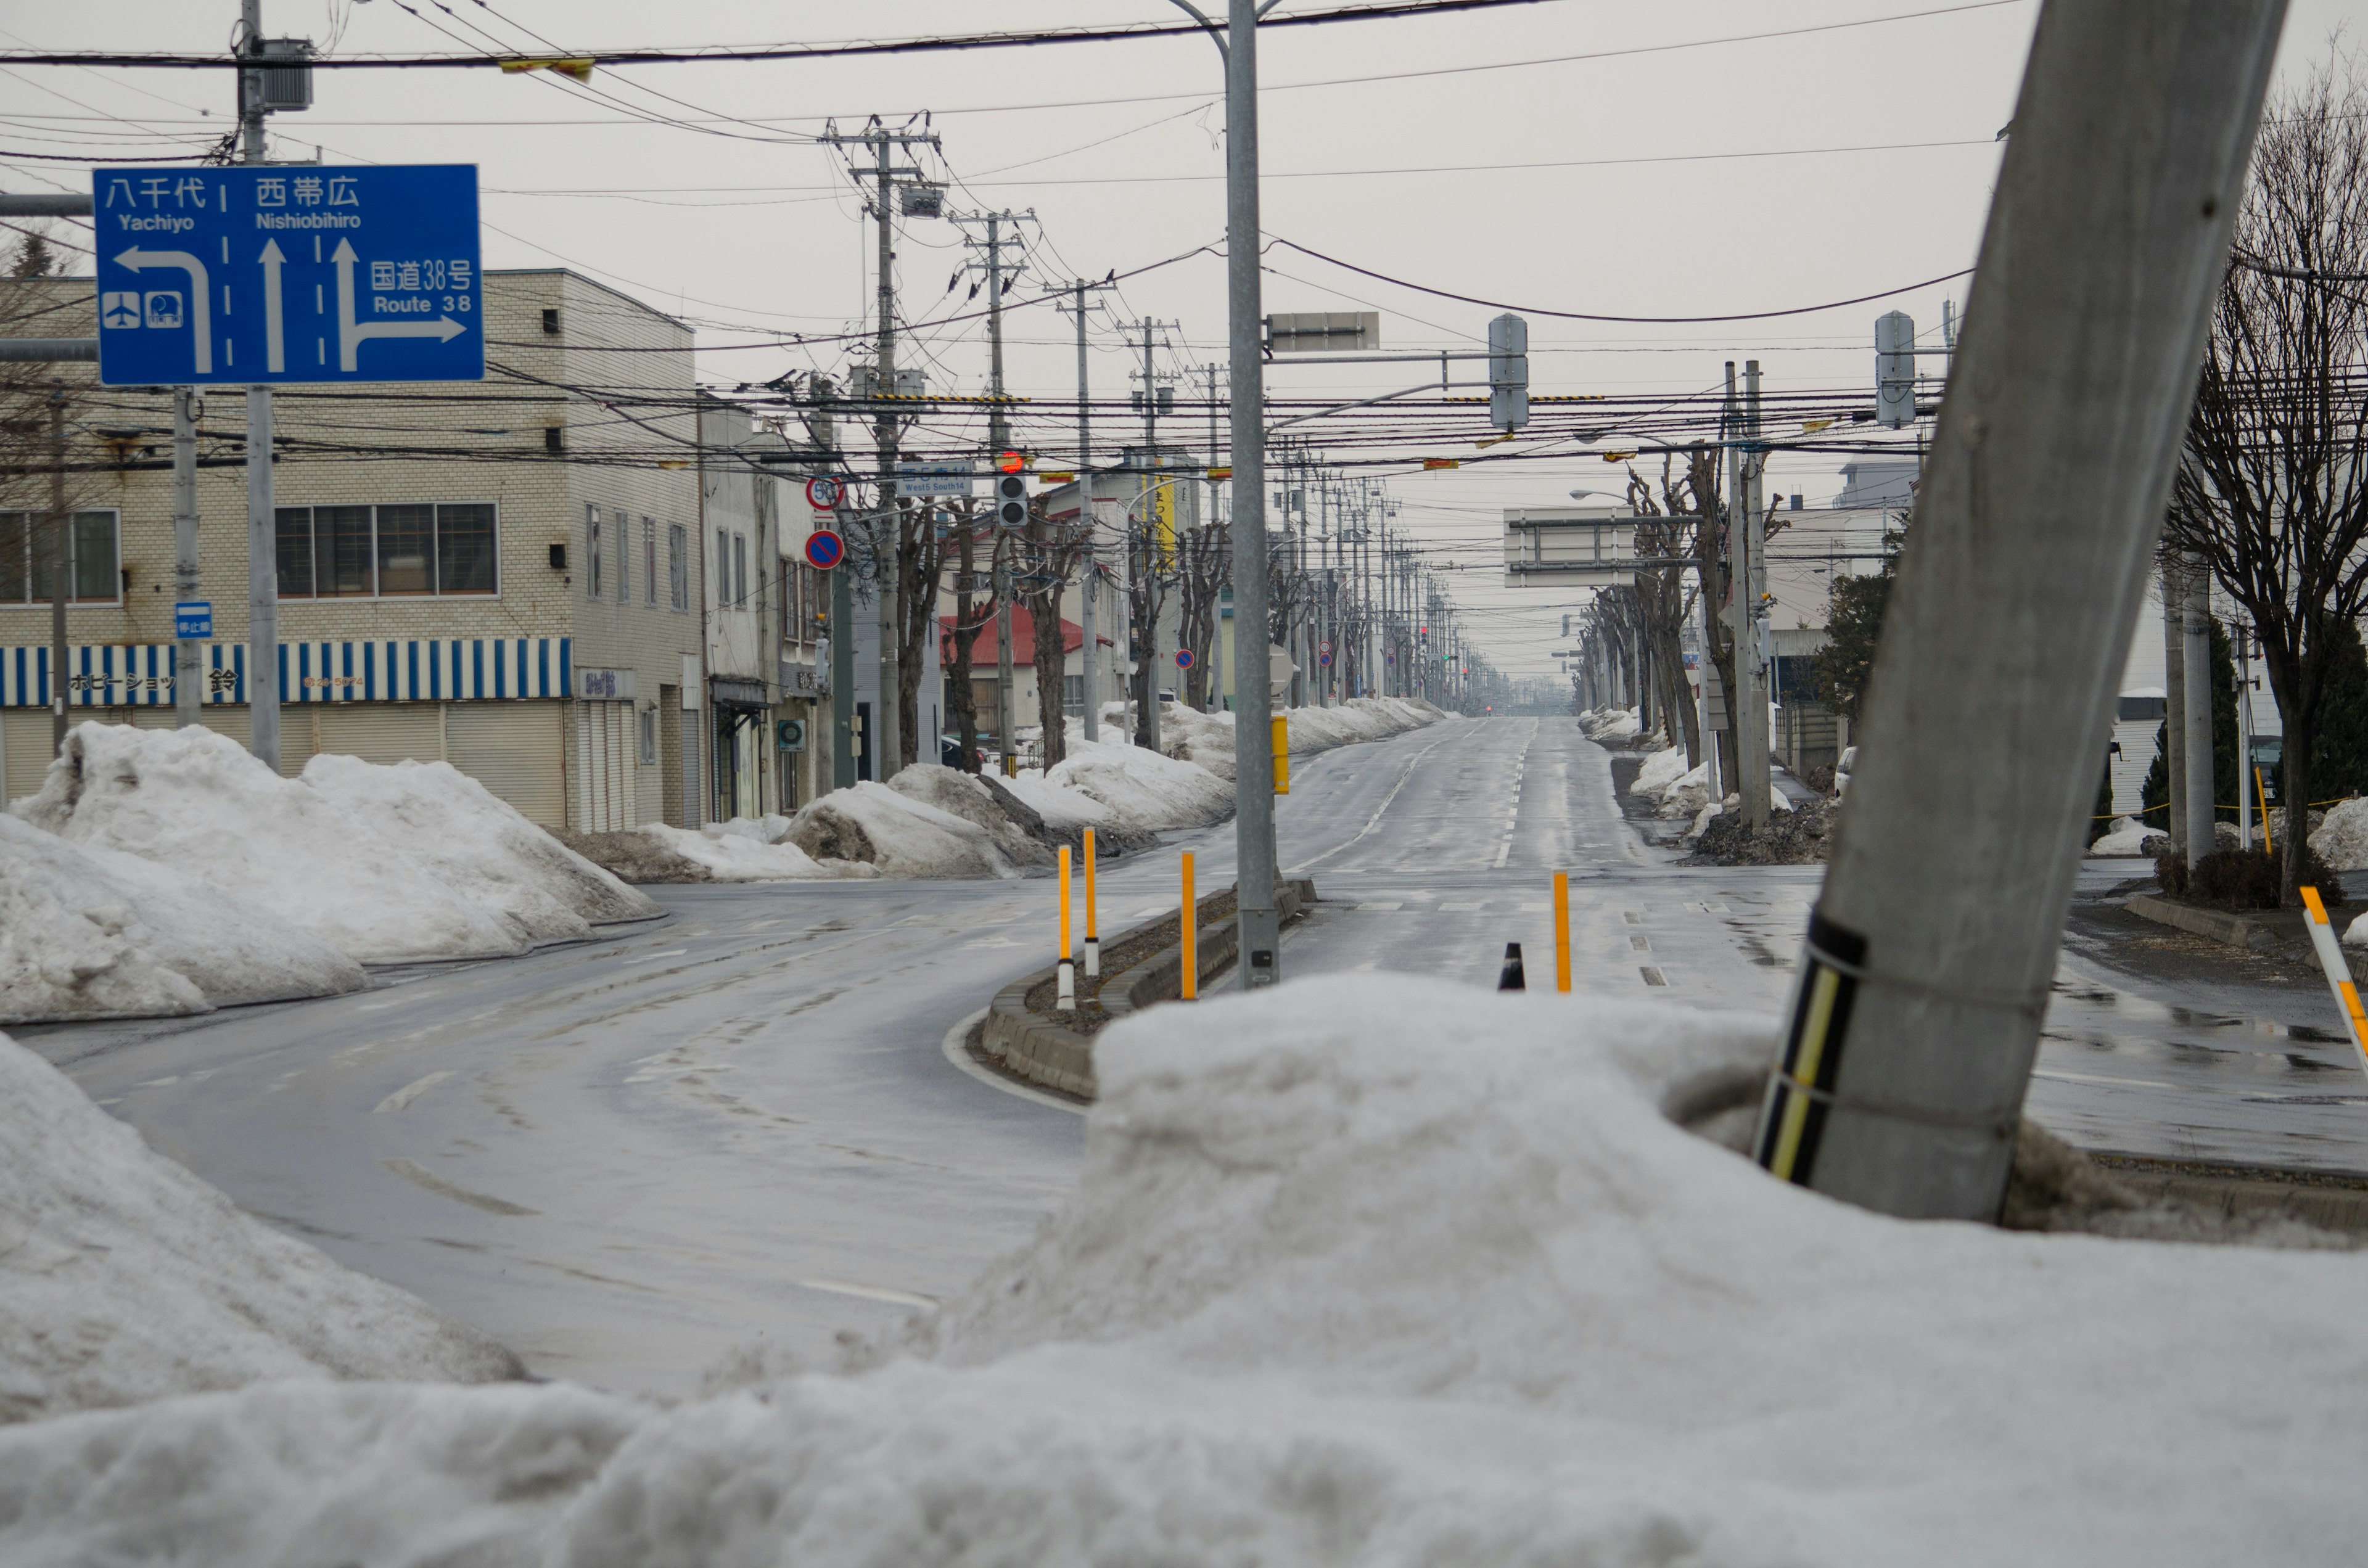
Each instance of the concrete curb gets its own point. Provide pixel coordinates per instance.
(1043, 1051)
(2237, 930)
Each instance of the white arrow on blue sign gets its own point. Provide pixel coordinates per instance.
(268, 273)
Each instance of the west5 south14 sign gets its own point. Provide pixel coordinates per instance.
(288, 273)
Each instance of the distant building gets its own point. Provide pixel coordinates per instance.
(506, 575)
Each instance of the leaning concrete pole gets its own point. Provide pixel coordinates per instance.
(1901, 1075)
(2195, 662)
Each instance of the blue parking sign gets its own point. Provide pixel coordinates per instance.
(268, 273)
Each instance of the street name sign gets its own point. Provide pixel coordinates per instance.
(943, 481)
(266, 273)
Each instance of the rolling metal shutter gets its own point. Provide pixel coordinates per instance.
(515, 750)
(375, 732)
(602, 774)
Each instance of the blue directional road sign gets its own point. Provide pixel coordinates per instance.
(285, 272)
(194, 619)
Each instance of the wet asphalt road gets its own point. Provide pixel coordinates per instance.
(738, 1128)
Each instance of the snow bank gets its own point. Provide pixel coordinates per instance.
(124, 1279)
(415, 860)
(743, 856)
(1063, 810)
(959, 795)
(879, 826)
(1370, 1269)
(2129, 837)
(772, 828)
(1142, 788)
(439, 818)
(2342, 839)
(1612, 725)
(89, 933)
(1661, 769)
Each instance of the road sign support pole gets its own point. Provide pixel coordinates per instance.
(188, 688)
(842, 662)
(61, 554)
(1900, 1080)
(262, 584)
(1089, 678)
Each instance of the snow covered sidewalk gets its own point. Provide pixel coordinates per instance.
(124, 1279)
(1368, 1269)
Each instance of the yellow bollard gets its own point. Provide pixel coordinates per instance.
(1093, 928)
(1189, 984)
(1281, 755)
(2266, 847)
(1067, 998)
(1562, 931)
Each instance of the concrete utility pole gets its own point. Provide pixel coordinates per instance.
(188, 676)
(886, 740)
(1147, 668)
(999, 436)
(1900, 1082)
(1087, 523)
(842, 601)
(2196, 697)
(1751, 670)
(2174, 707)
(262, 518)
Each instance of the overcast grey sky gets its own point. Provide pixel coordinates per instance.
(1680, 166)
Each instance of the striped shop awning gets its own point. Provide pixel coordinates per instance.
(465, 669)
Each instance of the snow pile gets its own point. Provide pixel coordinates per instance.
(959, 795)
(123, 1278)
(2342, 839)
(1065, 811)
(1142, 789)
(772, 828)
(1613, 726)
(2129, 837)
(1360, 718)
(742, 857)
(879, 826)
(90, 933)
(1368, 1269)
(417, 860)
(1661, 769)
(1688, 793)
(439, 818)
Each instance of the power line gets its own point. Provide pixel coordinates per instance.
(1582, 315)
(1383, 10)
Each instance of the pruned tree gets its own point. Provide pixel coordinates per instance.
(1049, 561)
(1667, 534)
(1204, 565)
(2273, 485)
(920, 544)
(975, 609)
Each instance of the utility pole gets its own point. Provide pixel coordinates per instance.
(188, 691)
(1147, 667)
(1088, 523)
(2174, 707)
(842, 600)
(1748, 703)
(1900, 1079)
(887, 737)
(262, 518)
(998, 434)
(2197, 663)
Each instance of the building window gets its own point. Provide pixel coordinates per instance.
(1073, 694)
(624, 559)
(92, 575)
(592, 552)
(408, 551)
(740, 571)
(723, 568)
(649, 561)
(649, 737)
(679, 565)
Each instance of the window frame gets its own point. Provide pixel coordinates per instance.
(678, 567)
(624, 558)
(739, 571)
(592, 551)
(649, 562)
(32, 519)
(437, 520)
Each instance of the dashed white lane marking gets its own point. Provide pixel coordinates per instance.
(401, 1099)
(2093, 1079)
(1360, 906)
(1374, 821)
(1652, 976)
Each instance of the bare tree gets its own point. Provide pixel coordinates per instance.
(920, 545)
(1660, 592)
(972, 615)
(1053, 555)
(2272, 486)
(1204, 566)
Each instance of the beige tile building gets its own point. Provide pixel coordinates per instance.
(509, 575)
